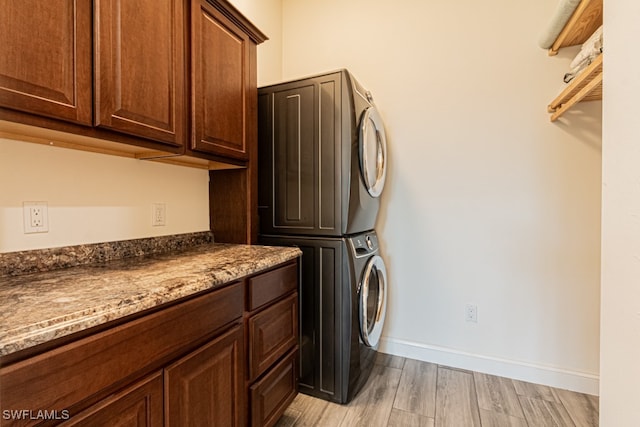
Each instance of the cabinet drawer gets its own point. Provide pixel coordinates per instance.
(272, 285)
(63, 377)
(272, 394)
(272, 333)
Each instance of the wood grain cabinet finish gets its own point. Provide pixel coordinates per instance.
(206, 387)
(272, 285)
(275, 391)
(46, 58)
(272, 337)
(221, 81)
(183, 365)
(65, 377)
(140, 68)
(272, 333)
(140, 405)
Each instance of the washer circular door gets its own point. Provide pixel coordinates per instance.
(373, 151)
(372, 300)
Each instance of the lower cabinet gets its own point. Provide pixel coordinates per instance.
(206, 387)
(223, 358)
(203, 388)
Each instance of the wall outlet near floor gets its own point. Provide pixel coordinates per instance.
(159, 214)
(36, 217)
(471, 313)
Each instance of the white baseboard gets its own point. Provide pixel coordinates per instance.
(555, 377)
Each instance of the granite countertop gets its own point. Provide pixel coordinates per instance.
(42, 306)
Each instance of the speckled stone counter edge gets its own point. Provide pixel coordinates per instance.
(40, 260)
(222, 263)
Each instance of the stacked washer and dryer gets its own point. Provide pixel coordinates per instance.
(322, 166)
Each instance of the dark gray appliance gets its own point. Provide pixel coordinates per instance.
(321, 169)
(343, 304)
(322, 157)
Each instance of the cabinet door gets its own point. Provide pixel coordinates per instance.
(206, 387)
(139, 66)
(136, 406)
(46, 58)
(220, 61)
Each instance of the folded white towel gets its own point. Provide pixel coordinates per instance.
(560, 17)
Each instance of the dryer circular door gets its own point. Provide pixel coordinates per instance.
(372, 300)
(373, 151)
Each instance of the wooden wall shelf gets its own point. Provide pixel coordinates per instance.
(584, 21)
(585, 87)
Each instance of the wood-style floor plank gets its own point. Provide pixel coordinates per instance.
(456, 401)
(372, 406)
(400, 418)
(390, 360)
(289, 418)
(417, 388)
(496, 419)
(497, 394)
(544, 413)
(582, 408)
(462, 399)
(306, 411)
(535, 391)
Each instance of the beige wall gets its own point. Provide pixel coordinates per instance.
(487, 202)
(94, 197)
(620, 342)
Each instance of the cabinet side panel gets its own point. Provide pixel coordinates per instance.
(229, 207)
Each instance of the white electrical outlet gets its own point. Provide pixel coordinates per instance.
(36, 217)
(159, 214)
(471, 313)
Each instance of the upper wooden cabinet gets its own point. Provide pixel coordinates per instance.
(46, 58)
(220, 62)
(140, 68)
(137, 78)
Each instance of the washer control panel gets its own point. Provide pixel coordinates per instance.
(364, 244)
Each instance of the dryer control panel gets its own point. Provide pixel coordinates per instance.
(364, 244)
